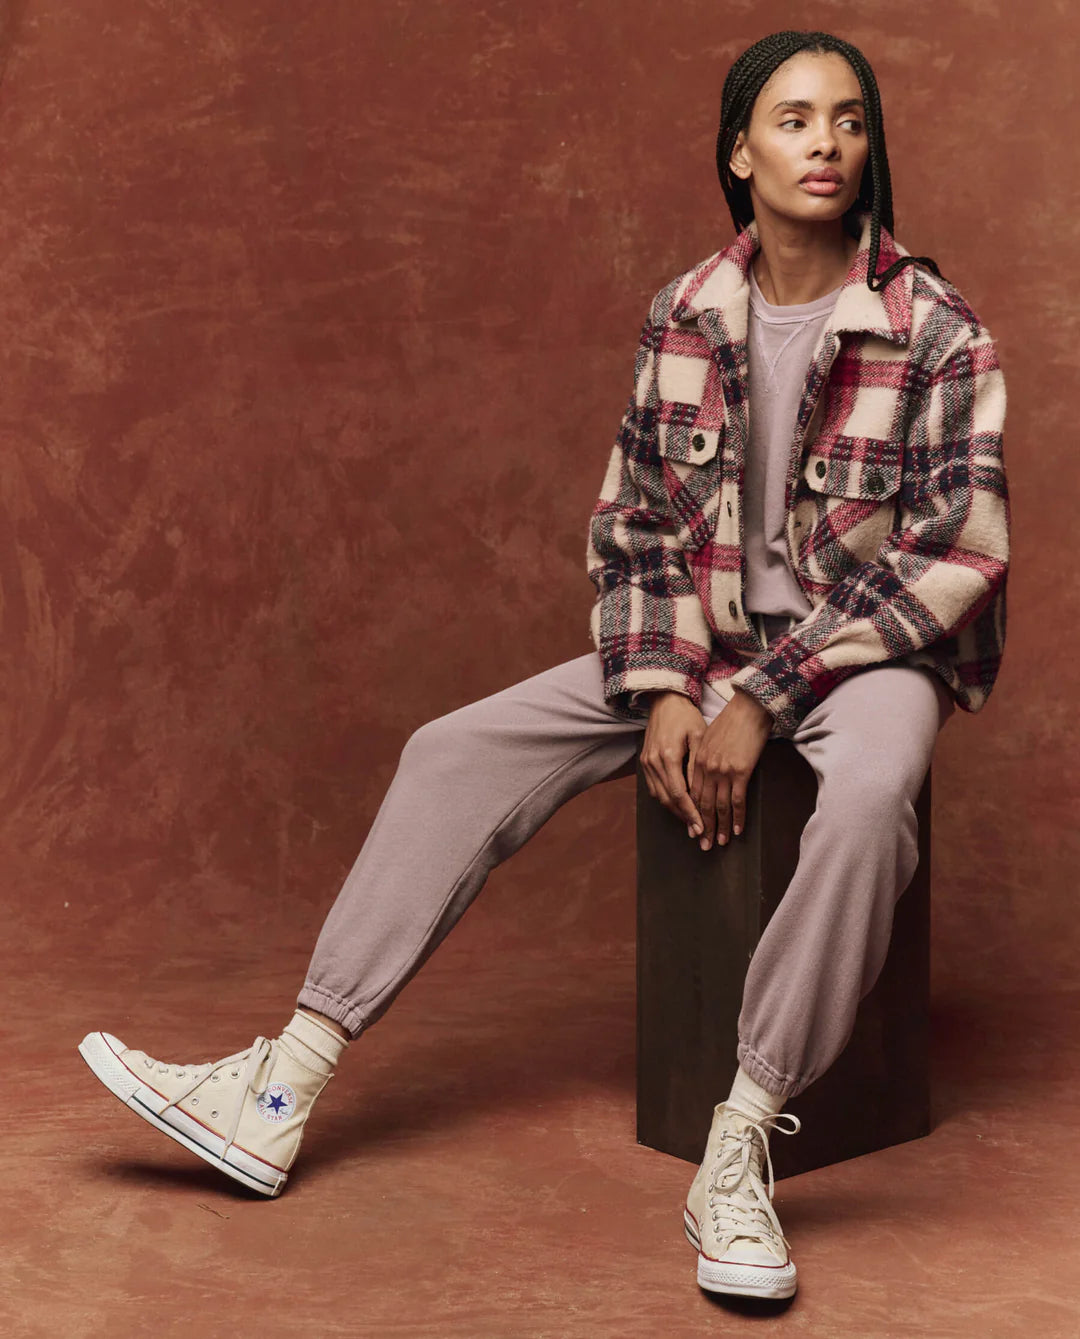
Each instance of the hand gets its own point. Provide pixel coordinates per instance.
(675, 725)
(721, 763)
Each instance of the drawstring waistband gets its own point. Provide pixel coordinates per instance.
(773, 625)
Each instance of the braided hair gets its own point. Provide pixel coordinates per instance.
(744, 82)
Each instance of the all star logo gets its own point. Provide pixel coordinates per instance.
(276, 1102)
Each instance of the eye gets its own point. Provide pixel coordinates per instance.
(848, 120)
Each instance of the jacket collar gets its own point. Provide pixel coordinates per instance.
(722, 284)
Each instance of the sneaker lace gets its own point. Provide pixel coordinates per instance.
(258, 1059)
(749, 1213)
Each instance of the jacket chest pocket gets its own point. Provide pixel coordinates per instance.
(847, 502)
(690, 460)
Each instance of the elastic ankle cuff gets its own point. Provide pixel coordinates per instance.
(336, 1037)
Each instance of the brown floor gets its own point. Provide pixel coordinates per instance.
(472, 1171)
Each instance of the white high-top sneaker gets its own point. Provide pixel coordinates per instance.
(244, 1114)
(729, 1217)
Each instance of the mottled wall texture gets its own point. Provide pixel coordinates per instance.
(316, 326)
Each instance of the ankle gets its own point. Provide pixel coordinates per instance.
(331, 1023)
(312, 1043)
(749, 1096)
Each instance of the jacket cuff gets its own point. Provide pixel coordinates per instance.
(779, 687)
(624, 688)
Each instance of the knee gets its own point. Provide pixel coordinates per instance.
(870, 790)
(427, 739)
(435, 741)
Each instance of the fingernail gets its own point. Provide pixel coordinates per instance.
(704, 843)
(737, 829)
(722, 839)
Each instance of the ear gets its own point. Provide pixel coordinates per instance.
(738, 162)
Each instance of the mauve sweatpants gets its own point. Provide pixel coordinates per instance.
(472, 786)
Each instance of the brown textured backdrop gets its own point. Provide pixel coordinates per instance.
(317, 326)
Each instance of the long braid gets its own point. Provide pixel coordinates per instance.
(745, 80)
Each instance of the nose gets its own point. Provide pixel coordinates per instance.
(826, 141)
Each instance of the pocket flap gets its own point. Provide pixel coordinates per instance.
(686, 443)
(863, 467)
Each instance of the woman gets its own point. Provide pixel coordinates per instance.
(830, 568)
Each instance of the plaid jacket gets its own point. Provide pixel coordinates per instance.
(898, 511)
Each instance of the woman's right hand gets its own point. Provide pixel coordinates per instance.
(675, 726)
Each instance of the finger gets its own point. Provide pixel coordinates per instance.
(723, 810)
(693, 828)
(706, 806)
(655, 783)
(738, 805)
(662, 782)
(676, 787)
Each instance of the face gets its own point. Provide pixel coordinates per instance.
(807, 118)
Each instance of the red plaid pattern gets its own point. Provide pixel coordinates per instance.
(897, 504)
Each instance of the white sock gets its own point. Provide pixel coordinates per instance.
(750, 1097)
(311, 1043)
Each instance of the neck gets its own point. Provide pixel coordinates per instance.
(798, 261)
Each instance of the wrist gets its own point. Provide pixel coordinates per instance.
(743, 695)
(649, 699)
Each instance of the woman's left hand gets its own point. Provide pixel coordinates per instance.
(720, 766)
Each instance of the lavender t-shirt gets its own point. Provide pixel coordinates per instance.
(780, 341)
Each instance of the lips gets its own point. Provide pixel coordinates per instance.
(824, 174)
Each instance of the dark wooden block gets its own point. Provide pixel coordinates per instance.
(700, 915)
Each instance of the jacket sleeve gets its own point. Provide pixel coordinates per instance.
(945, 562)
(647, 622)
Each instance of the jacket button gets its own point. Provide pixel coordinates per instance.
(875, 482)
(820, 469)
(697, 442)
(733, 608)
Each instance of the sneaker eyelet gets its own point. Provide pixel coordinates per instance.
(236, 1073)
(214, 1078)
(213, 1113)
(194, 1101)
